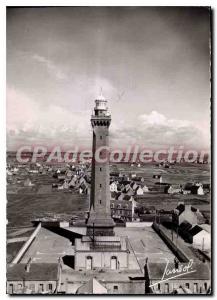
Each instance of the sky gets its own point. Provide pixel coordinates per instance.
(152, 64)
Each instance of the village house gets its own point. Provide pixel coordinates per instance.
(194, 188)
(84, 188)
(33, 278)
(72, 182)
(113, 187)
(90, 287)
(139, 191)
(173, 189)
(187, 213)
(121, 209)
(115, 195)
(201, 236)
(196, 282)
(28, 182)
(159, 177)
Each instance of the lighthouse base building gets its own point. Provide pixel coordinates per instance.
(104, 252)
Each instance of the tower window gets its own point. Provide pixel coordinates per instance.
(100, 169)
(100, 137)
(100, 185)
(100, 201)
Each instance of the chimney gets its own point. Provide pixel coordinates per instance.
(27, 266)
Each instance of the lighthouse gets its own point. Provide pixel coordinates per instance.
(100, 222)
(100, 248)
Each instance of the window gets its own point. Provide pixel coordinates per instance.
(89, 262)
(112, 205)
(32, 287)
(41, 288)
(100, 185)
(187, 285)
(100, 137)
(195, 287)
(11, 288)
(100, 201)
(166, 287)
(205, 286)
(114, 263)
(50, 287)
(100, 169)
(158, 286)
(115, 288)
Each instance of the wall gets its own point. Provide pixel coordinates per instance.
(132, 287)
(178, 253)
(27, 284)
(174, 284)
(123, 287)
(100, 259)
(202, 240)
(138, 224)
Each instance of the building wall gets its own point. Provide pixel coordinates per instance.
(188, 215)
(136, 287)
(101, 260)
(33, 286)
(113, 287)
(202, 240)
(196, 286)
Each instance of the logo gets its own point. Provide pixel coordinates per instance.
(180, 270)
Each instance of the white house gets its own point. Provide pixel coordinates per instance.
(200, 191)
(145, 189)
(139, 191)
(201, 237)
(113, 187)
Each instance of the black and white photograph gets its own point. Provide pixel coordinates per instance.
(108, 150)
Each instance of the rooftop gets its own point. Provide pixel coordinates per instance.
(38, 271)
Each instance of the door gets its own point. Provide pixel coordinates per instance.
(195, 288)
(89, 263)
(11, 288)
(114, 263)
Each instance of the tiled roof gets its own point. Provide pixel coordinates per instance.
(37, 271)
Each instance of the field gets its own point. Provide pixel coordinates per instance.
(26, 203)
(176, 174)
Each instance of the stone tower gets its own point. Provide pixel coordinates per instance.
(100, 221)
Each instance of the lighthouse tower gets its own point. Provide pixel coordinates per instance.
(100, 248)
(100, 222)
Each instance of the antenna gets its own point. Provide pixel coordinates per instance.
(93, 235)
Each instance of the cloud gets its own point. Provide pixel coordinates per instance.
(29, 123)
(155, 118)
(51, 67)
(157, 131)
